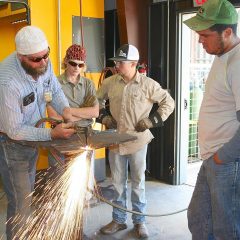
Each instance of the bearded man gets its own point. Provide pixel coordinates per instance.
(27, 82)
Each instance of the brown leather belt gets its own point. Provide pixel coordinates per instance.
(3, 134)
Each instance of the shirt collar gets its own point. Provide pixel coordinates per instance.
(135, 79)
(228, 54)
(65, 81)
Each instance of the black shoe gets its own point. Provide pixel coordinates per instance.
(113, 227)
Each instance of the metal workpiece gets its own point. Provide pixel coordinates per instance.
(85, 137)
(77, 142)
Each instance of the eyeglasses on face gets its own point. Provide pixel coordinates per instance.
(39, 59)
(73, 64)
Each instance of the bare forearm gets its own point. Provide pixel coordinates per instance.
(86, 112)
(52, 113)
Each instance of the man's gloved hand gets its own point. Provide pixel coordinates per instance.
(106, 119)
(90, 101)
(109, 122)
(154, 120)
(143, 124)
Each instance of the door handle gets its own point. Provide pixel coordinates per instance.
(185, 103)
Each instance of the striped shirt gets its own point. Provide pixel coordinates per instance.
(18, 117)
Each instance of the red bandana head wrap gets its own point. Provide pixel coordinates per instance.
(76, 52)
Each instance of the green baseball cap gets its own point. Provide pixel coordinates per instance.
(213, 12)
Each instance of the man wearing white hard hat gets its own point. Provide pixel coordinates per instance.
(27, 82)
(131, 96)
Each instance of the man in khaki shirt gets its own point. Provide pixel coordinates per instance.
(131, 97)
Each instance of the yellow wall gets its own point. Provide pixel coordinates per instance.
(7, 36)
(8, 30)
(44, 14)
(91, 8)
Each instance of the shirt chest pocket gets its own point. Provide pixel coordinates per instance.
(115, 96)
(137, 96)
(29, 109)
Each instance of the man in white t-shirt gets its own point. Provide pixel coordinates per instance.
(214, 210)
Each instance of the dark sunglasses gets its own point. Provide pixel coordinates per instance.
(80, 65)
(39, 59)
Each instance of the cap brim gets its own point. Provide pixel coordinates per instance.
(118, 59)
(197, 23)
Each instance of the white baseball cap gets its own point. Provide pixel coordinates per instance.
(30, 40)
(126, 52)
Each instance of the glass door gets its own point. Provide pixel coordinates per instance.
(194, 65)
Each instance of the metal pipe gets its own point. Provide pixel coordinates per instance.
(81, 25)
(25, 5)
(59, 37)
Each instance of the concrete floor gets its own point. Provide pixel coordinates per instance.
(162, 198)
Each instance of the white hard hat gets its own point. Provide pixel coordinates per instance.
(30, 40)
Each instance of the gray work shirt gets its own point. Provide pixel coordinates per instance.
(76, 94)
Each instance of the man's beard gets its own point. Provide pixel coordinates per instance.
(34, 72)
(221, 46)
(221, 49)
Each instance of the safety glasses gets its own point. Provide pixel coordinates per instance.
(39, 59)
(117, 63)
(73, 64)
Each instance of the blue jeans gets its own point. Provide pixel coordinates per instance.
(214, 210)
(17, 168)
(119, 172)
